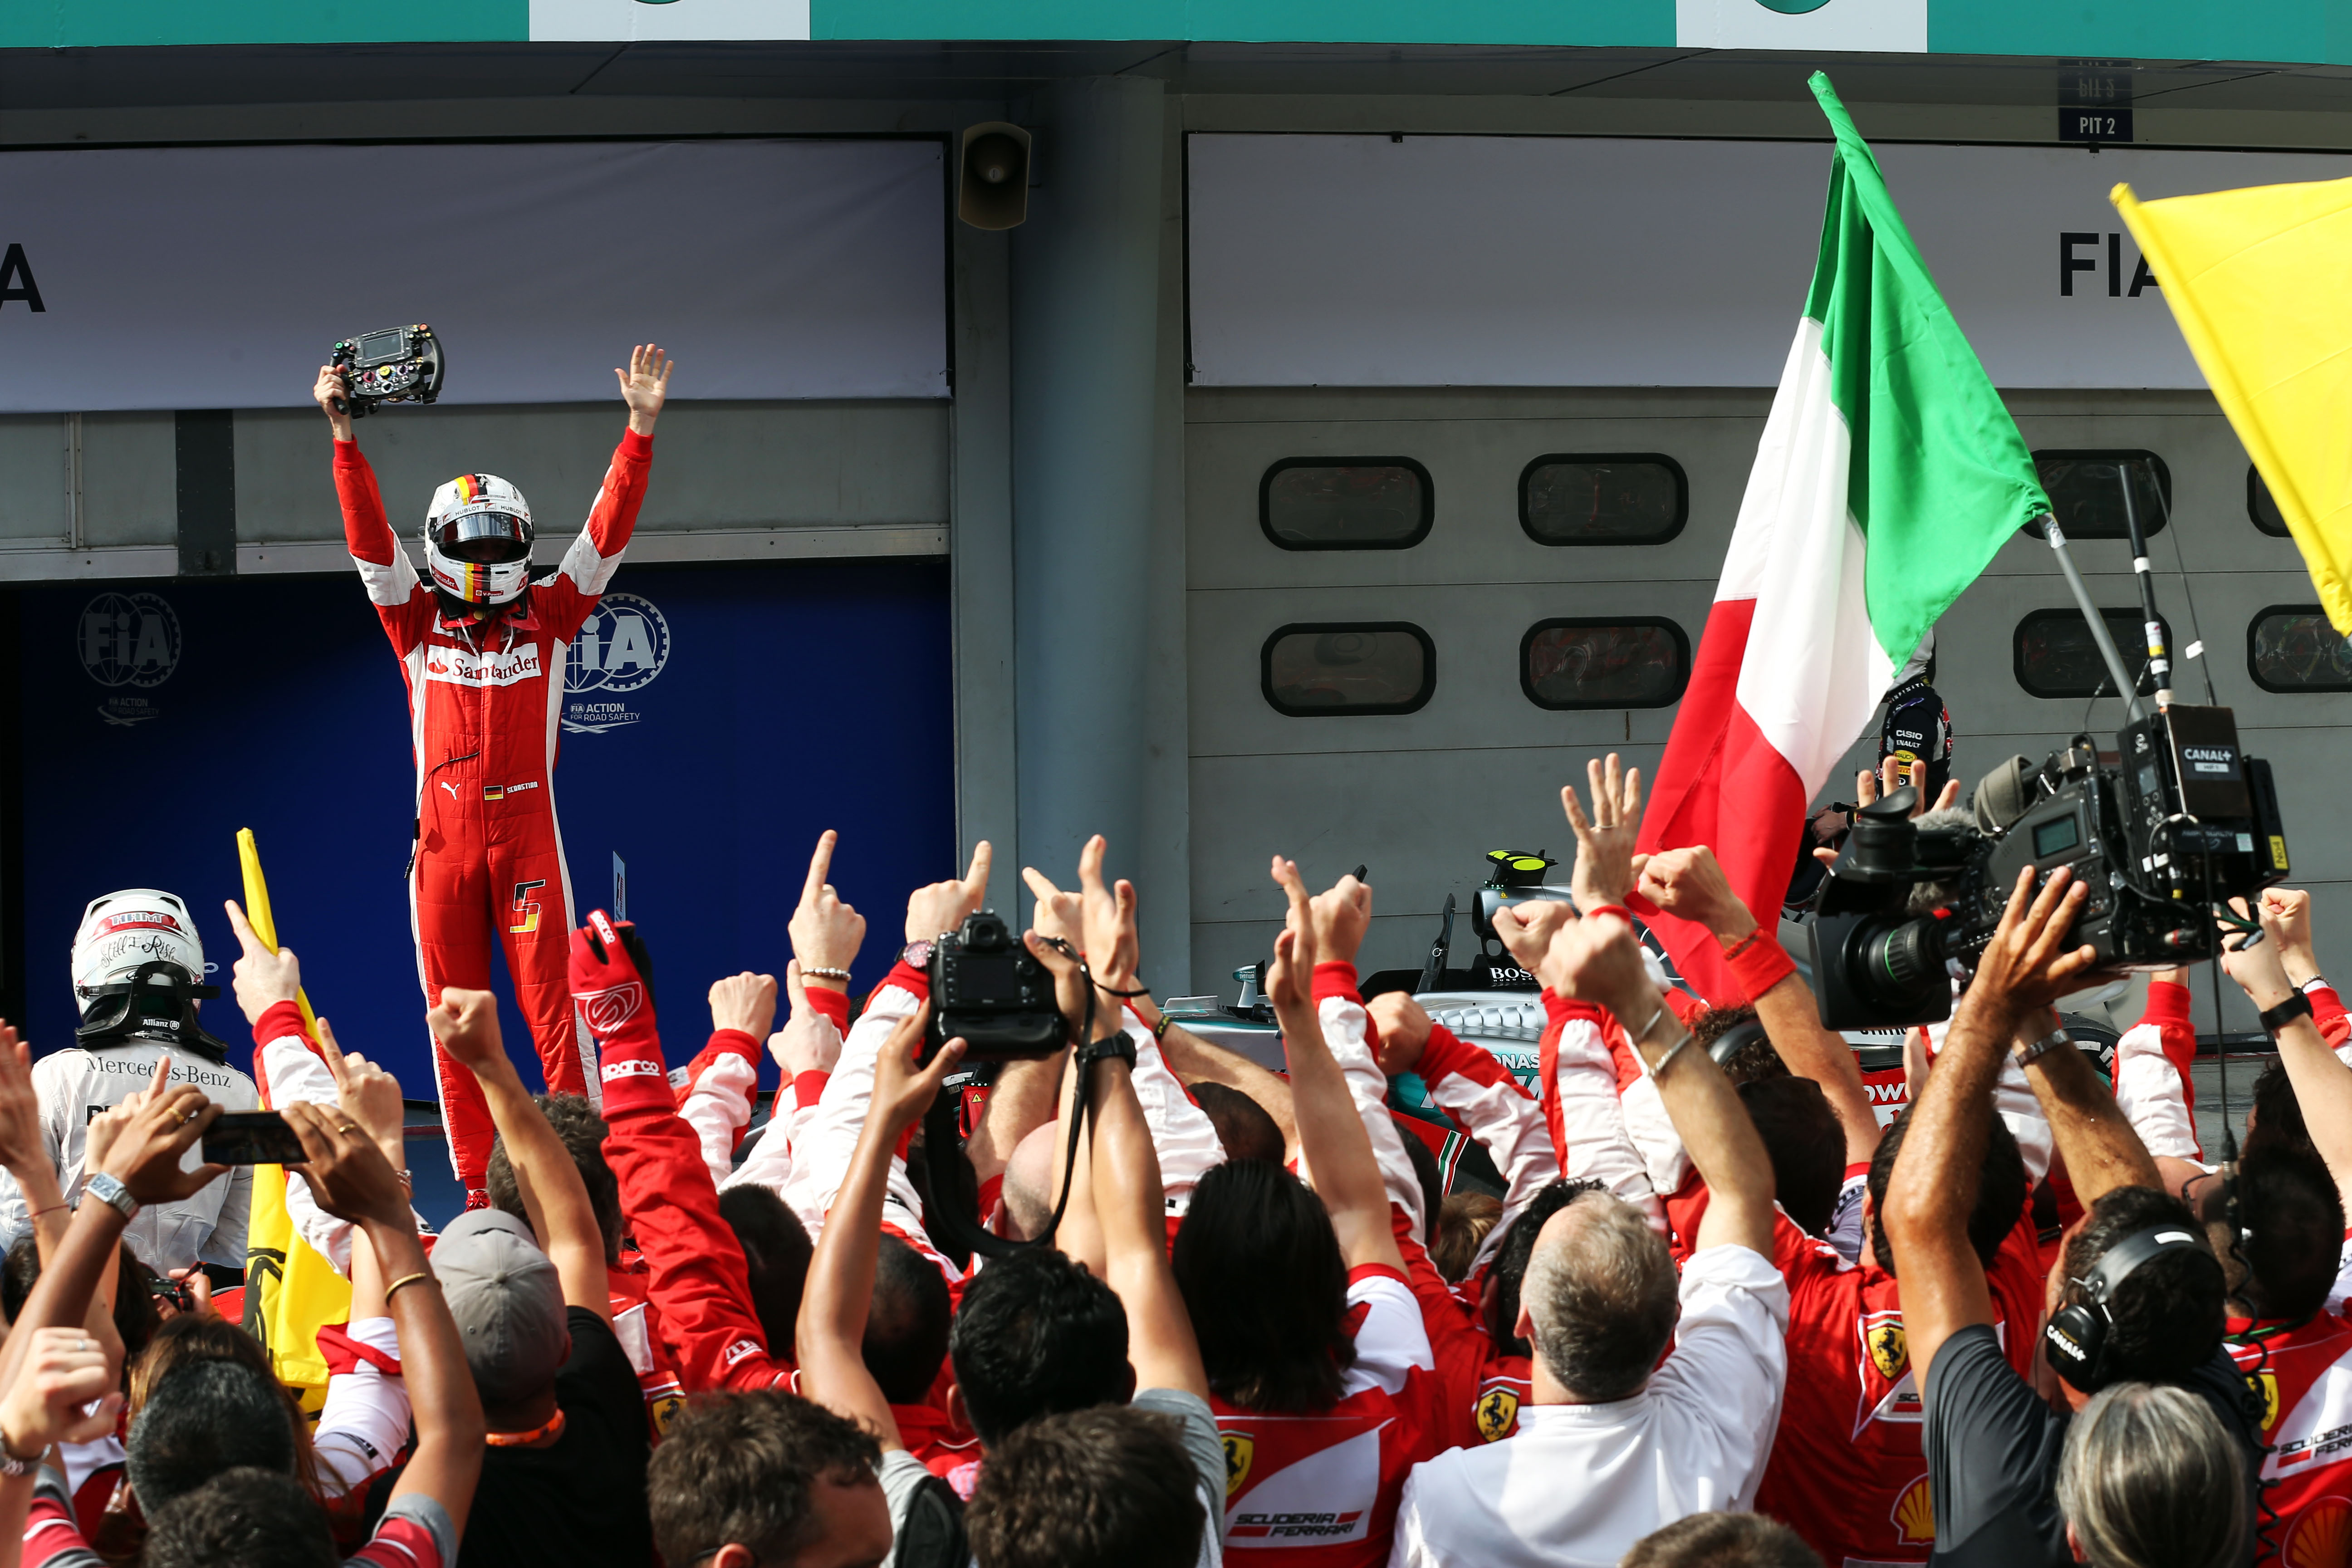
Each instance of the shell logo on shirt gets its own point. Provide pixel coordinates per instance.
(2320, 1535)
(1914, 1515)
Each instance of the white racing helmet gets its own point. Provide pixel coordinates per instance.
(477, 539)
(122, 932)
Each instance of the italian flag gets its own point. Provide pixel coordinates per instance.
(1887, 475)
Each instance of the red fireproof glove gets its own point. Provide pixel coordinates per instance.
(610, 981)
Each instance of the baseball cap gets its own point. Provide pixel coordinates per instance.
(508, 1301)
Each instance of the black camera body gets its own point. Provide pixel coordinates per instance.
(2179, 820)
(398, 364)
(987, 988)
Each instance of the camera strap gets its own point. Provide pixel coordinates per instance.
(951, 1202)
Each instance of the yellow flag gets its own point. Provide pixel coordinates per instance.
(291, 1292)
(2261, 282)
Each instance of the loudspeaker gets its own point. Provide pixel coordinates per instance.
(992, 181)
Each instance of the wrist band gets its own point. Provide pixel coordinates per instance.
(2028, 1055)
(1619, 910)
(1160, 1027)
(810, 971)
(2274, 1020)
(394, 1287)
(1760, 964)
(37, 1214)
(1744, 944)
(2314, 983)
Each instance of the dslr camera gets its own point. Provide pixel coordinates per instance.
(987, 988)
(2172, 823)
(398, 364)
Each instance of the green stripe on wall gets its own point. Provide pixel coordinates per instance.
(1537, 22)
(86, 24)
(2276, 30)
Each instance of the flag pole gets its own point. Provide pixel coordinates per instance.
(2125, 684)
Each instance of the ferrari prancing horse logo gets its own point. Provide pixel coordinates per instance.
(1240, 1448)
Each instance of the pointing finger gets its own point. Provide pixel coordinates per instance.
(820, 866)
(975, 881)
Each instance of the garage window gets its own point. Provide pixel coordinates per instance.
(2087, 492)
(1346, 503)
(2291, 648)
(1358, 666)
(2056, 657)
(2262, 507)
(1623, 661)
(1607, 497)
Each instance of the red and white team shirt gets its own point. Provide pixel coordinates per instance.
(2303, 1373)
(1320, 1490)
(1846, 1470)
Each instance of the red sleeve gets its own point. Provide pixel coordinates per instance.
(53, 1537)
(2327, 1012)
(1686, 1005)
(809, 1088)
(1458, 1345)
(367, 533)
(1336, 980)
(695, 1274)
(916, 982)
(614, 518)
(2168, 1009)
(281, 1019)
(833, 1005)
(1447, 1056)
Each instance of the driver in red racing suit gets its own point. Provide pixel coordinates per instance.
(483, 650)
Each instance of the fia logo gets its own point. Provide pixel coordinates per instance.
(621, 647)
(128, 639)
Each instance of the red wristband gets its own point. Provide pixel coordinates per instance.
(1759, 963)
(1619, 910)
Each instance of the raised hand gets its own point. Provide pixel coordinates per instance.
(144, 1153)
(1690, 882)
(1290, 978)
(2286, 914)
(745, 1003)
(1603, 872)
(808, 1042)
(645, 385)
(902, 1093)
(466, 1025)
(1403, 1025)
(45, 1406)
(1341, 914)
(827, 934)
(334, 384)
(1057, 913)
(263, 978)
(21, 1142)
(347, 1171)
(2029, 964)
(1110, 943)
(940, 907)
(1597, 960)
(1525, 930)
(367, 1094)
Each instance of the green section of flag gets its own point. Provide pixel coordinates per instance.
(87, 24)
(1940, 477)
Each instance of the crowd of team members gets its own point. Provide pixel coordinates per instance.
(1715, 1293)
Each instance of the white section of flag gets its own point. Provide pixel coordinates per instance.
(1813, 671)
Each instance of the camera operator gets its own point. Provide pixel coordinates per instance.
(2141, 1294)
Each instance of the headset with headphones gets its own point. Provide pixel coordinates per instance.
(2076, 1338)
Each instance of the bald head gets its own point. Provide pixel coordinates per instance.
(1029, 1181)
(1599, 1298)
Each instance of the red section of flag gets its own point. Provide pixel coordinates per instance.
(1721, 784)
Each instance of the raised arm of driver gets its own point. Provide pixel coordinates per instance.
(1690, 883)
(1335, 1146)
(1596, 959)
(465, 1026)
(831, 1333)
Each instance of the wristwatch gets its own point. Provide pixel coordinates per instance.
(2028, 1055)
(106, 1190)
(2274, 1020)
(917, 955)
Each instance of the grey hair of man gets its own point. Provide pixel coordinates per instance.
(1600, 1294)
(1928, 896)
(2150, 1479)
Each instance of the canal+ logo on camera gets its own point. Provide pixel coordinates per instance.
(621, 647)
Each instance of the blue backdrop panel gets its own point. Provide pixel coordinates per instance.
(724, 717)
